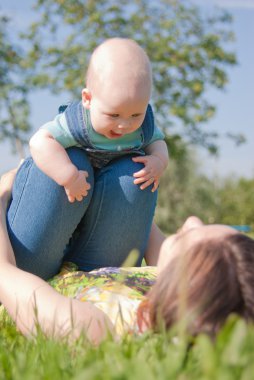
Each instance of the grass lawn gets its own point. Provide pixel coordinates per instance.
(154, 356)
(148, 357)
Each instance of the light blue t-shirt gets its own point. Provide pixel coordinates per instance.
(60, 131)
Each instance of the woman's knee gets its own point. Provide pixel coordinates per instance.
(122, 173)
(119, 191)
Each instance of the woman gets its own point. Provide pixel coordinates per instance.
(205, 273)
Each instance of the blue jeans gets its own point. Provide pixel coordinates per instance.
(46, 229)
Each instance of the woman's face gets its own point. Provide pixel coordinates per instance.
(193, 231)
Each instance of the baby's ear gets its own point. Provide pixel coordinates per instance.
(86, 98)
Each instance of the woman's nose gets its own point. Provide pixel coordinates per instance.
(191, 222)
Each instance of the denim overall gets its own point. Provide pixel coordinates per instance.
(77, 120)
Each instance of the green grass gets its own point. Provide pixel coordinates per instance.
(152, 356)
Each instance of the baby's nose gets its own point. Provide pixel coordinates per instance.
(124, 124)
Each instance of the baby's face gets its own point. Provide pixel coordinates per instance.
(116, 113)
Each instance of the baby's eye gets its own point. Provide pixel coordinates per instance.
(114, 115)
(135, 115)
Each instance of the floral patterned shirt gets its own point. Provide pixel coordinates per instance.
(116, 291)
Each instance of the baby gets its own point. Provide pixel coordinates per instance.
(112, 119)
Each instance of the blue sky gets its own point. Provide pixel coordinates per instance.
(235, 105)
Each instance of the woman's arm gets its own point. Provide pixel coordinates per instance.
(6, 252)
(154, 245)
(31, 302)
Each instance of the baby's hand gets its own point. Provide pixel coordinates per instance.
(78, 188)
(151, 173)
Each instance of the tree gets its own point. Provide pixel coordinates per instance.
(14, 107)
(184, 192)
(237, 201)
(189, 53)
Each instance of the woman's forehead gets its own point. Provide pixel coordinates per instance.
(183, 241)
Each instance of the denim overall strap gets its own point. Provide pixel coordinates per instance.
(148, 126)
(75, 118)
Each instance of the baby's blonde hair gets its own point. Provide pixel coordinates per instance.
(121, 57)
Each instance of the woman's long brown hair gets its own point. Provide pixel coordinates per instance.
(203, 286)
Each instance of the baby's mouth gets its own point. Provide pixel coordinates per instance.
(115, 135)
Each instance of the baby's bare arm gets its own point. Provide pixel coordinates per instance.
(53, 160)
(155, 163)
(159, 149)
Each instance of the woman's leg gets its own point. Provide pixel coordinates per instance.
(40, 218)
(117, 220)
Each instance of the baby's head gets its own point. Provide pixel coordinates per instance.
(118, 87)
